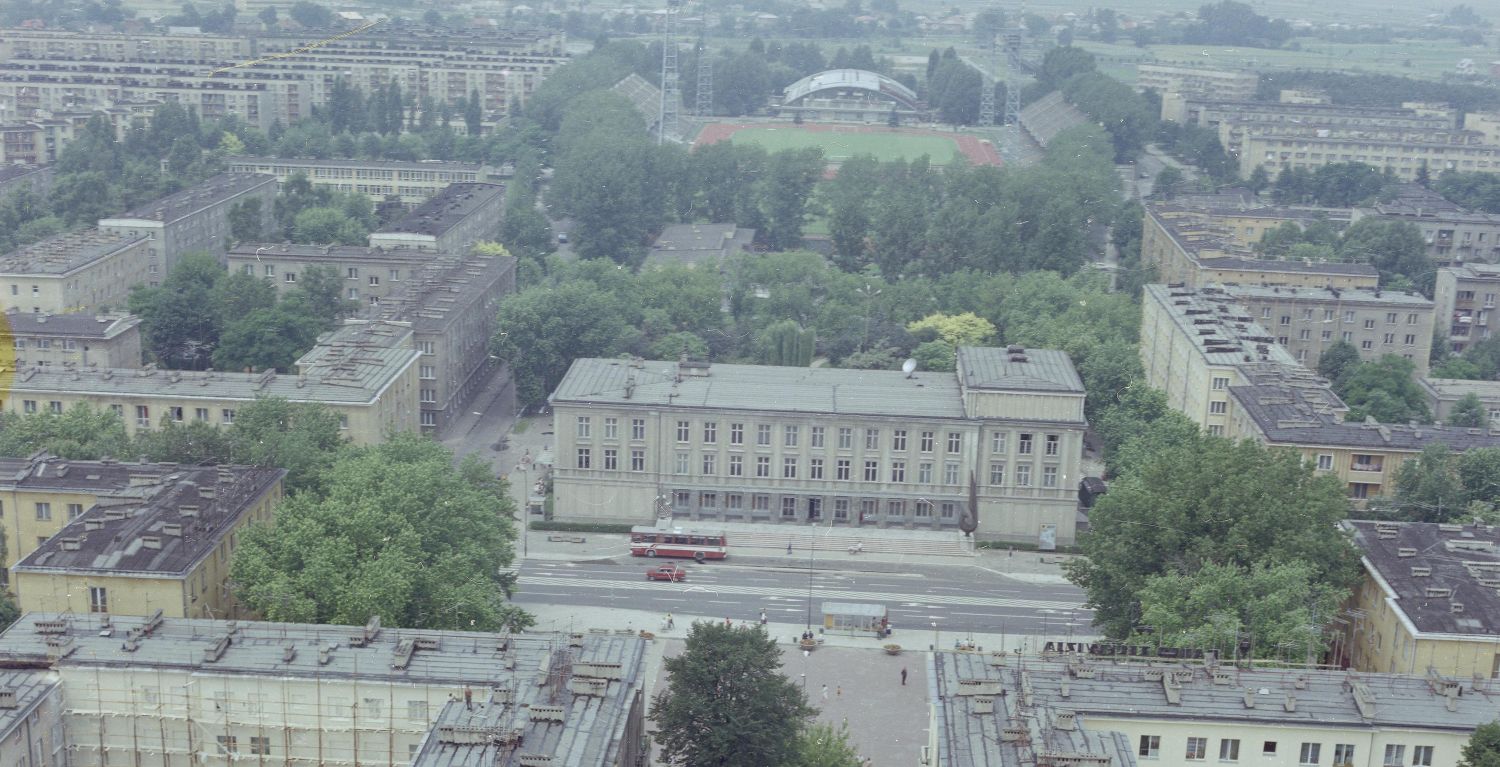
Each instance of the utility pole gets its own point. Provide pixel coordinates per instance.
(667, 120)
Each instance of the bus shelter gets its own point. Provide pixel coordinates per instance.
(854, 618)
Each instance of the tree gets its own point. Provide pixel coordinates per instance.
(178, 322)
(1428, 487)
(787, 343)
(1233, 23)
(311, 15)
(267, 15)
(543, 329)
(1396, 248)
(784, 191)
(1062, 63)
(399, 532)
(1197, 500)
(303, 438)
(1383, 389)
(823, 745)
(474, 114)
(1168, 182)
(265, 339)
(1336, 359)
(1259, 180)
(726, 703)
(965, 329)
(1469, 412)
(1483, 748)
(245, 220)
(78, 433)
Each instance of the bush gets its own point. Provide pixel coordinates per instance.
(580, 527)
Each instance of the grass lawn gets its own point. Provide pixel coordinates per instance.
(841, 146)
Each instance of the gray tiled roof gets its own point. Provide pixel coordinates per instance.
(1222, 332)
(1301, 267)
(444, 210)
(1350, 296)
(428, 165)
(989, 367)
(168, 530)
(693, 243)
(195, 198)
(1307, 417)
(440, 293)
(65, 252)
(359, 254)
(44, 472)
(1463, 560)
(75, 325)
(30, 686)
(656, 383)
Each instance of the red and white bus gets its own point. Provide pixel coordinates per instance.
(677, 542)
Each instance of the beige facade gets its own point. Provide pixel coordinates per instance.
(824, 446)
(449, 222)
(1465, 298)
(196, 219)
(1486, 124)
(88, 340)
(1306, 321)
(369, 274)
(1444, 393)
(1404, 153)
(366, 372)
(84, 271)
(1454, 236)
(1217, 84)
(411, 182)
(1197, 251)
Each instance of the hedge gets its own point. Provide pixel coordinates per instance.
(579, 527)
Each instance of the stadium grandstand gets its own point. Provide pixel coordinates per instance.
(645, 97)
(851, 95)
(1048, 116)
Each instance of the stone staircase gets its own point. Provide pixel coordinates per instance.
(758, 539)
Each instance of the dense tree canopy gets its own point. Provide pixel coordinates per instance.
(1384, 390)
(1441, 485)
(1233, 23)
(1483, 748)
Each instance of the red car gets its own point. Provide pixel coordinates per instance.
(666, 573)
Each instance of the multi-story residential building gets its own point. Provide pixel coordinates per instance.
(413, 183)
(171, 691)
(31, 731)
(15, 177)
(449, 222)
(451, 305)
(1429, 601)
(1085, 705)
(1195, 348)
(822, 445)
(34, 137)
(370, 274)
(1279, 410)
(1454, 235)
(1444, 393)
(84, 271)
(1486, 124)
(1196, 250)
(1242, 218)
(1213, 84)
(1306, 321)
(1405, 153)
(59, 44)
(196, 219)
(167, 549)
(1216, 114)
(67, 340)
(1464, 299)
(366, 372)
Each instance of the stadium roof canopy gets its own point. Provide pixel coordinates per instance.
(850, 79)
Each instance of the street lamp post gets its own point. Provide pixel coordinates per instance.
(811, 547)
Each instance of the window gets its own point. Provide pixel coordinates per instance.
(790, 435)
(898, 471)
(1369, 324)
(1349, 316)
(142, 415)
(1347, 336)
(815, 468)
(584, 458)
(1265, 313)
(708, 500)
(374, 281)
(815, 436)
(1411, 319)
(872, 471)
(841, 470)
(200, 414)
(353, 273)
(1218, 408)
(611, 428)
(762, 466)
(1304, 335)
(55, 407)
(637, 429)
(1390, 338)
(898, 440)
(260, 745)
(611, 459)
(353, 294)
(997, 473)
(950, 473)
(872, 439)
(228, 744)
(1023, 475)
(427, 372)
(846, 438)
(926, 443)
(841, 508)
(955, 441)
(29, 405)
(949, 509)
(1286, 319)
(226, 415)
(763, 435)
(788, 507)
(74, 510)
(1325, 462)
(684, 431)
(1327, 335)
(997, 442)
(789, 468)
(425, 347)
(710, 432)
(1310, 753)
(1150, 746)
(1025, 447)
(736, 465)
(1343, 754)
(736, 434)
(98, 599)
(637, 459)
(895, 508)
(1421, 756)
(1268, 748)
(1229, 750)
(1367, 344)
(1197, 748)
(924, 473)
(1052, 445)
(1049, 476)
(734, 501)
(1410, 340)
(681, 463)
(1395, 755)
(583, 427)
(43, 511)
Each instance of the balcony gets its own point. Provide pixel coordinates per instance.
(1366, 468)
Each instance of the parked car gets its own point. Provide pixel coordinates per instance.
(666, 573)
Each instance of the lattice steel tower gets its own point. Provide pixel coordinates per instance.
(1012, 45)
(666, 124)
(705, 93)
(987, 81)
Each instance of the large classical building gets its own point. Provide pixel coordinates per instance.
(364, 371)
(410, 182)
(86, 340)
(826, 446)
(1306, 321)
(103, 689)
(195, 219)
(1429, 602)
(84, 271)
(1464, 298)
(166, 549)
(449, 222)
(1091, 707)
(1196, 250)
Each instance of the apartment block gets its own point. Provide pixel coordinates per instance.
(1429, 601)
(167, 691)
(59, 44)
(90, 270)
(1454, 235)
(1306, 321)
(1103, 703)
(74, 340)
(31, 729)
(165, 552)
(1196, 250)
(452, 304)
(1215, 84)
(999, 443)
(413, 183)
(15, 177)
(1464, 299)
(1403, 152)
(1216, 114)
(196, 219)
(370, 274)
(1444, 393)
(449, 222)
(1242, 218)
(366, 372)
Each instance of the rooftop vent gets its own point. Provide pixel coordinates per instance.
(1421, 572)
(216, 651)
(151, 541)
(8, 698)
(188, 510)
(71, 544)
(1438, 592)
(1405, 552)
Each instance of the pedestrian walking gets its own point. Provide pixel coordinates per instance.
(903, 676)
(762, 617)
(825, 693)
(789, 548)
(669, 622)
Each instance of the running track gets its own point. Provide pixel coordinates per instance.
(979, 152)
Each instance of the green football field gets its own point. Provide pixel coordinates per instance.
(840, 146)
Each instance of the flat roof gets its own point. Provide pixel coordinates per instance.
(435, 296)
(359, 254)
(201, 195)
(64, 253)
(1221, 331)
(834, 391)
(1455, 388)
(71, 325)
(164, 532)
(445, 210)
(311, 162)
(1433, 567)
(1355, 296)
(43, 472)
(1307, 417)
(1017, 368)
(694, 243)
(1474, 271)
(1295, 267)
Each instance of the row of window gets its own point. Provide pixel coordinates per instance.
(791, 467)
(1391, 318)
(44, 511)
(901, 440)
(67, 344)
(1309, 753)
(868, 508)
(1389, 339)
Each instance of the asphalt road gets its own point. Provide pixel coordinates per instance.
(957, 598)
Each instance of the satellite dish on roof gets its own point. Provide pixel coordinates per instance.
(909, 366)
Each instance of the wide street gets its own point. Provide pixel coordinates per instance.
(957, 598)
